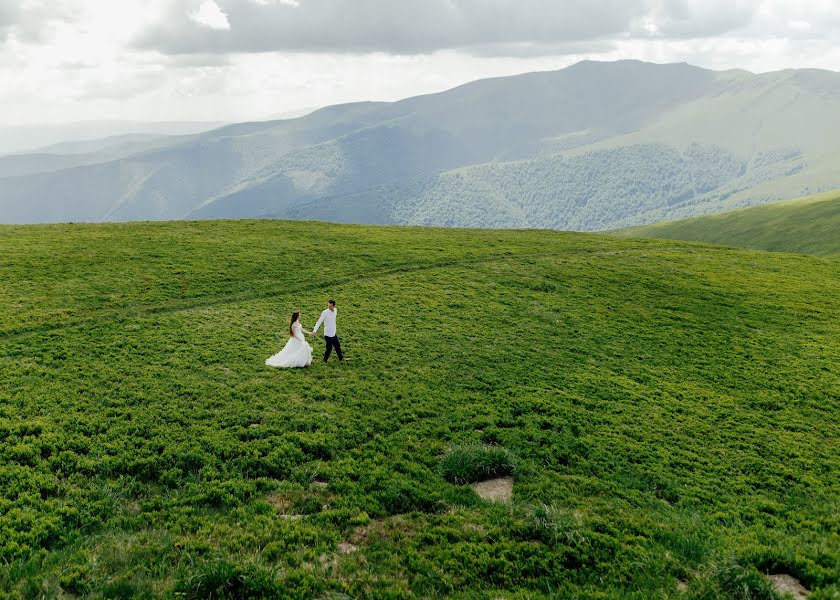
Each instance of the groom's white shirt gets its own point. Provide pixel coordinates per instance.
(328, 319)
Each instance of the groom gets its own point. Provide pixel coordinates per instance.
(330, 335)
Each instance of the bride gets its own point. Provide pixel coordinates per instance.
(297, 352)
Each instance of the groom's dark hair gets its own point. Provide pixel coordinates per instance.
(331, 302)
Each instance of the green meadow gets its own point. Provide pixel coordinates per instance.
(806, 226)
(669, 412)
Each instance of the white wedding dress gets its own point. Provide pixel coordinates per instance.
(296, 353)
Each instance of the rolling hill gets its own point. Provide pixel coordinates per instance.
(806, 226)
(594, 146)
(668, 411)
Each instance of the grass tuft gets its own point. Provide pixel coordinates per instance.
(476, 462)
(742, 582)
(223, 579)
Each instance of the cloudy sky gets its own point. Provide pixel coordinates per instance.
(68, 60)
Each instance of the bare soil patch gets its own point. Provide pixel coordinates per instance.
(495, 490)
(787, 584)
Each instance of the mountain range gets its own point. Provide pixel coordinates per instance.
(594, 146)
(71, 138)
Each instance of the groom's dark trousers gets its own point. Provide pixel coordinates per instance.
(332, 342)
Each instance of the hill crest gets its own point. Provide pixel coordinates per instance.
(804, 226)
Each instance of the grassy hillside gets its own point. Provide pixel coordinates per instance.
(671, 413)
(807, 226)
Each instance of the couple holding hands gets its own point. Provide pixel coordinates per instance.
(297, 352)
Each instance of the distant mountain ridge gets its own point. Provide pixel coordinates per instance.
(594, 146)
(49, 138)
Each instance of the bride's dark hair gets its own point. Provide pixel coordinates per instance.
(295, 316)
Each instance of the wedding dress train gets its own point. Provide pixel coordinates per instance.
(296, 353)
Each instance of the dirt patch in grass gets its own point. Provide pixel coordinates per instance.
(495, 490)
(279, 501)
(382, 529)
(787, 584)
(347, 548)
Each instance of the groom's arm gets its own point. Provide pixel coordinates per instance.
(318, 324)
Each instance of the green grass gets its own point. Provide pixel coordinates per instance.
(805, 226)
(477, 462)
(672, 407)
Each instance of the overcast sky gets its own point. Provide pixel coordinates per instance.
(68, 60)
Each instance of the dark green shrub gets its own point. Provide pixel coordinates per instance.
(398, 497)
(306, 505)
(464, 497)
(831, 592)
(300, 584)
(75, 578)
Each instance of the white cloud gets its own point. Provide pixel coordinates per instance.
(65, 60)
(9, 13)
(392, 26)
(210, 15)
(687, 19)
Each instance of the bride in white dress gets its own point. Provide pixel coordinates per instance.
(297, 352)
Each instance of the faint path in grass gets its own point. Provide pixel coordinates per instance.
(112, 315)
